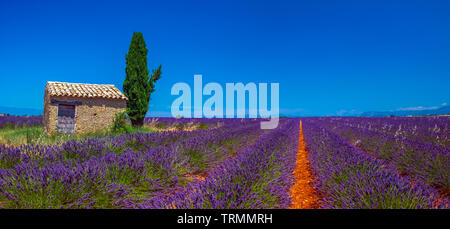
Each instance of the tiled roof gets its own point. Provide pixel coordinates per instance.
(84, 90)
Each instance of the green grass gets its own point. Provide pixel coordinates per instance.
(37, 135)
(202, 126)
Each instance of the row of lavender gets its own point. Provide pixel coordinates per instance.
(23, 121)
(258, 177)
(432, 129)
(174, 121)
(182, 123)
(405, 148)
(19, 121)
(350, 178)
(115, 171)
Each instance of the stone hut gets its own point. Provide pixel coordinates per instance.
(81, 108)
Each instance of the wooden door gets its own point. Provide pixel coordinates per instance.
(66, 119)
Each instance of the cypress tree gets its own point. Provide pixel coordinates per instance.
(137, 85)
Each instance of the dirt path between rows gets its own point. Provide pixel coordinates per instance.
(303, 194)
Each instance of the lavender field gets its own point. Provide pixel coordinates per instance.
(232, 163)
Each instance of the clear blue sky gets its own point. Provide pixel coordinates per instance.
(330, 57)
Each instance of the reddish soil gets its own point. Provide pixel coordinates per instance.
(303, 194)
(198, 177)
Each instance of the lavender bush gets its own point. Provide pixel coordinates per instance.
(259, 177)
(349, 178)
(411, 154)
(114, 172)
